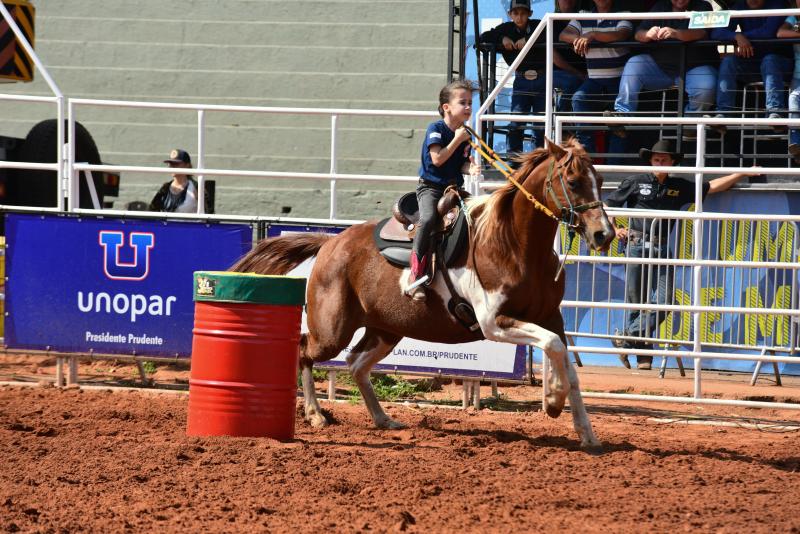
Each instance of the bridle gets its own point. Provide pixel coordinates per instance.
(567, 214)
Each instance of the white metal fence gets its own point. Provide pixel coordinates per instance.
(691, 261)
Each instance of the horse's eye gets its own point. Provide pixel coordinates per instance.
(573, 184)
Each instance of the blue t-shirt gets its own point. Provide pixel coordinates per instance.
(438, 133)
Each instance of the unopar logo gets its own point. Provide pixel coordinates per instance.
(116, 269)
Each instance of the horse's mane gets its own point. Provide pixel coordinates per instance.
(494, 216)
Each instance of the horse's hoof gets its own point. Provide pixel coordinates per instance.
(553, 410)
(390, 424)
(317, 420)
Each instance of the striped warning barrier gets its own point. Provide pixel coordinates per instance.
(15, 64)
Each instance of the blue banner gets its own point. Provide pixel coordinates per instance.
(109, 286)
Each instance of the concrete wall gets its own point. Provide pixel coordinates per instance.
(379, 54)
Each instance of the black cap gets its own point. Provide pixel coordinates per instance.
(178, 156)
(662, 146)
(525, 4)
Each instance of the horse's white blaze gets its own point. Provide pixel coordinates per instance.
(595, 181)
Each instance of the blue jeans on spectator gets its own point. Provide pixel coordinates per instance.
(773, 68)
(528, 96)
(594, 95)
(794, 110)
(642, 73)
(568, 83)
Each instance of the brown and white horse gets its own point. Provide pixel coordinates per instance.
(507, 275)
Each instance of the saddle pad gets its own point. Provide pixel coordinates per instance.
(454, 243)
(398, 256)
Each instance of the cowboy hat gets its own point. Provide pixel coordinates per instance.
(662, 146)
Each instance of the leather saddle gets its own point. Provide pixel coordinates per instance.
(393, 236)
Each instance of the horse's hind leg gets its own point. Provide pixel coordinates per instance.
(373, 347)
(312, 409)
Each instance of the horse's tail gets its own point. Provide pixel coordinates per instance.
(279, 255)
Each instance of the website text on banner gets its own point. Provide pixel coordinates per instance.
(483, 359)
(109, 286)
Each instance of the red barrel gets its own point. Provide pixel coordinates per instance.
(245, 355)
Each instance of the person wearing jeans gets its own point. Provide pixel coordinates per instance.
(653, 191)
(771, 62)
(791, 30)
(643, 73)
(640, 280)
(659, 68)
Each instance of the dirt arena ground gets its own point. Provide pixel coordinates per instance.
(103, 461)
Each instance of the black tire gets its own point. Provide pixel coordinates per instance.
(28, 187)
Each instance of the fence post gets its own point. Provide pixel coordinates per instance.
(697, 254)
(334, 120)
(72, 180)
(548, 90)
(63, 157)
(200, 163)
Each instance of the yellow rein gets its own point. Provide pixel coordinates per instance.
(491, 156)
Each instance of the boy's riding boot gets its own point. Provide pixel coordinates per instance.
(419, 267)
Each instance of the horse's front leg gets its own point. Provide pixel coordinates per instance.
(580, 419)
(509, 330)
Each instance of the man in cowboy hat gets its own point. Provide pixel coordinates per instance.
(648, 237)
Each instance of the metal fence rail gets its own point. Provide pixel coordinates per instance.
(201, 172)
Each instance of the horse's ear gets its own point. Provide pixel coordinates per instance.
(554, 149)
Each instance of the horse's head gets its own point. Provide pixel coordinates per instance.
(571, 191)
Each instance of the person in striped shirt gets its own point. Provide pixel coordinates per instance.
(604, 64)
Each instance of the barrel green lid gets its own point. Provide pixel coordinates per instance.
(222, 286)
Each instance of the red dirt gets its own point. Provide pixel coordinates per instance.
(101, 461)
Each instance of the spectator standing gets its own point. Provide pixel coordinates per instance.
(653, 191)
(659, 68)
(604, 64)
(528, 94)
(179, 195)
(772, 61)
(791, 30)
